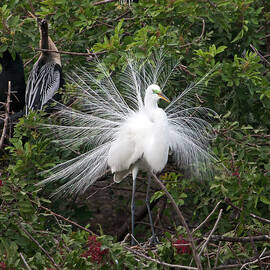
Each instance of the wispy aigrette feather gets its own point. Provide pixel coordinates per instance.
(103, 110)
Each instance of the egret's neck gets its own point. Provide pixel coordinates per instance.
(150, 102)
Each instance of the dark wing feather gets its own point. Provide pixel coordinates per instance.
(42, 84)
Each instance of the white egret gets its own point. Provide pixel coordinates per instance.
(46, 76)
(128, 133)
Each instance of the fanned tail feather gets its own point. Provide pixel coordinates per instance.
(103, 109)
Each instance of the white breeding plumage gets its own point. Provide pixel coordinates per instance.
(128, 133)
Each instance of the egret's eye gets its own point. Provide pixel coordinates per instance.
(156, 91)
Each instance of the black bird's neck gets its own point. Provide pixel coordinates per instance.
(44, 44)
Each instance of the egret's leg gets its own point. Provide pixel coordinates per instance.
(133, 209)
(147, 201)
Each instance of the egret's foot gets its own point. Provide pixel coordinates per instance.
(154, 240)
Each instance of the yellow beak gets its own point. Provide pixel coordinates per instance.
(164, 97)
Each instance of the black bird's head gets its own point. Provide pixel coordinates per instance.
(43, 26)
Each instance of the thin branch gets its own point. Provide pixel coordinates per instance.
(6, 116)
(31, 60)
(159, 262)
(65, 219)
(103, 2)
(71, 53)
(221, 238)
(38, 244)
(260, 55)
(263, 220)
(218, 252)
(198, 38)
(212, 231)
(207, 218)
(182, 219)
(25, 262)
(255, 261)
(203, 29)
(238, 265)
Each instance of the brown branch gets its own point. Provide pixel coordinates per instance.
(221, 238)
(38, 244)
(6, 116)
(217, 255)
(260, 55)
(212, 231)
(263, 220)
(239, 265)
(207, 218)
(141, 255)
(31, 60)
(103, 2)
(198, 38)
(71, 53)
(203, 29)
(25, 262)
(65, 219)
(182, 219)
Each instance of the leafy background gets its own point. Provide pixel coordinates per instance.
(234, 34)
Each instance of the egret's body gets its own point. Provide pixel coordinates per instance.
(130, 133)
(142, 141)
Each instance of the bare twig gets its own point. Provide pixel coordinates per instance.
(198, 38)
(65, 219)
(259, 54)
(263, 220)
(203, 29)
(25, 262)
(212, 3)
(71, 53)
(247, 262)
(256, 252)
(212, 231)
(182, 219)
(6, 116)
(207, 218)
(257, 260)
(31, 60)
(103, 2)
(38, 244)
(218, 252)
(221, 238)
(141, 255)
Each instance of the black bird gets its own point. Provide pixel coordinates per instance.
(46, 76)
(13, 71)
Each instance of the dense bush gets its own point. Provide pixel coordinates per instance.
(233, 34)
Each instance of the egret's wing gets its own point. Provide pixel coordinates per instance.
(42, 84)
(128, 145)
(189, 136)
(80, 172)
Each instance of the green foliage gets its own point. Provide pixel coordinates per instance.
(203, 34)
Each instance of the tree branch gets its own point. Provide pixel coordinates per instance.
(182, 220)
(6, 116)
(38, 244)
(138, 254)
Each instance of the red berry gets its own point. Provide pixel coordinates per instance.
(182, 246)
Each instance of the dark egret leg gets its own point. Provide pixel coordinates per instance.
(134, 175)
(147, 202)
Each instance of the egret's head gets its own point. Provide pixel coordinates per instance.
(156, 92)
